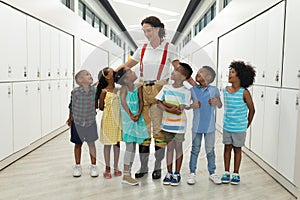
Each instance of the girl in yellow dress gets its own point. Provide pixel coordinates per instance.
(110, 131)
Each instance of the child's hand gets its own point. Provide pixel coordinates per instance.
(196, 104)
(213, 101)
(69, 122)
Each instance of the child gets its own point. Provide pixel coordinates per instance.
(82, 120)
(110, 131)
(238, 114)
(173, 99)
(133, 125)
(205, 97)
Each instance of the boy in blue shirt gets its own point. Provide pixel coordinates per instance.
(206, 98)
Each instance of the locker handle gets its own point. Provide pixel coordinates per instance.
(262, 95)
(277, 76)
(277, 99)
(9, 91)
(297, 101)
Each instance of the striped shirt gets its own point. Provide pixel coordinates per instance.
(176, 96)
(83, 106)
(235, 112)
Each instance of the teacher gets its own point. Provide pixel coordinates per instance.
(156, 58)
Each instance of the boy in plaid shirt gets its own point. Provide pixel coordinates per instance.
(82, 120)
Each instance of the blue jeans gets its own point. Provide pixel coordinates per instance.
(209, 139)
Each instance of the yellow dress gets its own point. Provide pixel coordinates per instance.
(111, 124)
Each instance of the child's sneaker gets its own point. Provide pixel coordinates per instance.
(94, 171)
(77, 171)
(191, 179)
(127, 179)
(215, 178)
(175, 179)
(225, 177)
(168, 179)
(235, 180)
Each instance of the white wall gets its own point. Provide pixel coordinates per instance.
(42, 44)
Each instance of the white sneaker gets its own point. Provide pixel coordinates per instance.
(94, 171)
(215, 178)
(77, 171)
(191, 179)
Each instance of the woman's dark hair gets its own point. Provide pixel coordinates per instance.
(118, 77)
(155, 22)
(245, 72)
(102, 83)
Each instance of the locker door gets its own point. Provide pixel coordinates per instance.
(45, 52)
(46, 107)
(15, 26)
(34, 111)
(70, 57)
(291, 65)
(55, 51)
(21, 113)
(5, 68)
(275, 45)
(33, 49)
(6, 142)
(56, 104)
(65, 94)
(271, 126)
(260, 45)
(259, 95)
(287, 133)
(63, 55)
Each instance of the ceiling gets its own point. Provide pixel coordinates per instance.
(132, 12)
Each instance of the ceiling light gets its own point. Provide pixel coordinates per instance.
(147, 6)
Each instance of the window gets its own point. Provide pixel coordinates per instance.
(208, 16)
(225, 3)
(103, 28)
(89, 17)
(66, 3)
(87, 14)
(97, 23)
(81, 10)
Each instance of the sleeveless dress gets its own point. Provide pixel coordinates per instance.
(133, 131)
(111, 125)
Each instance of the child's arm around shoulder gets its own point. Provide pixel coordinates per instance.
(101, 99)
(215, 100)
(248, 100)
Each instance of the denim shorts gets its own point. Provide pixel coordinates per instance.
(236, 139)
(80, 134)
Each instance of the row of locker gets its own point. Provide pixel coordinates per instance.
(30, 111)
(31, 49)
(261, 42)
(272, 135)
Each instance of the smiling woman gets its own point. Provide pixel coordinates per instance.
(155, 58)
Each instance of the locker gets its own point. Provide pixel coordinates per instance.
(46, 107)
(259, 95)
(45, 52)
(291, 65)
(287, 133)
(33, 49)
(271, 126)
(13, 44)
(6, 129)
(26, 113)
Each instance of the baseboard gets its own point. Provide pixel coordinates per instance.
(19, 154)
(272, 172)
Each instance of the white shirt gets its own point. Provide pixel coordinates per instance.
(152, 60)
